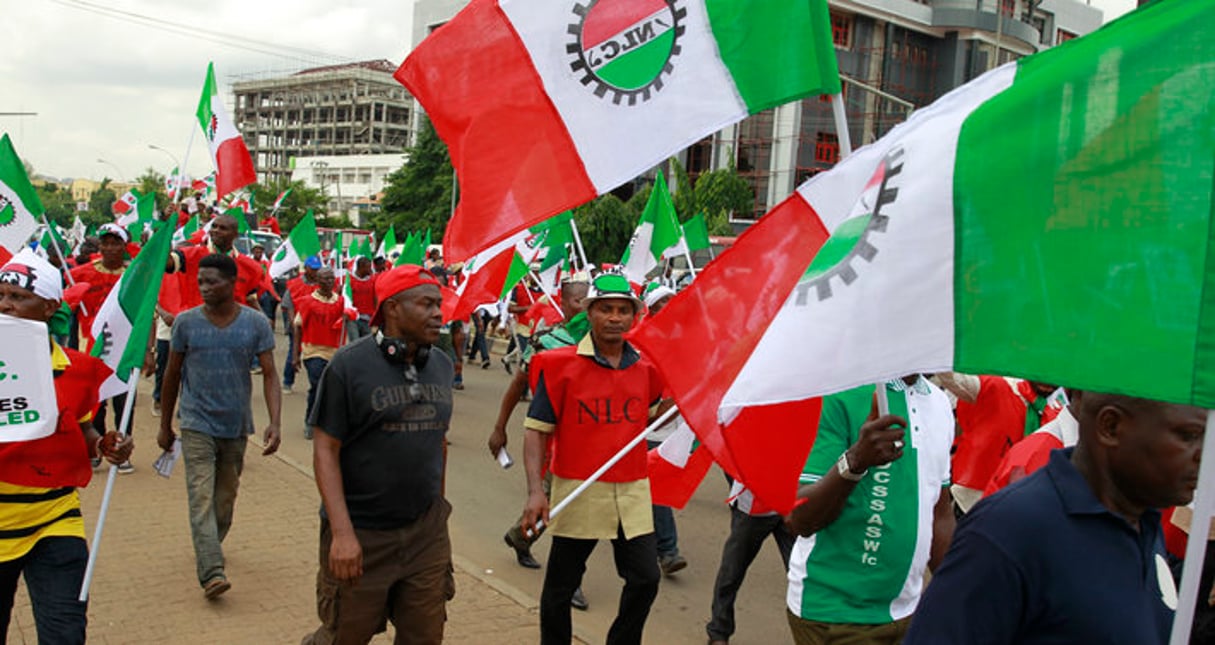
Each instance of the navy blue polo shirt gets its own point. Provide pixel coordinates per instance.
(1043, 561)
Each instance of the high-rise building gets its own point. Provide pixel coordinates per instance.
(894, 56)
(350, 109)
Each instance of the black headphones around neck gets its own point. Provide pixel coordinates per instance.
(395, 350)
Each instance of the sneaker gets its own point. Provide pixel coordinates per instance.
(126, 468)
(216, 587)
(287, 389)
(155, 408)
(506, 364)
(671, 562)
(485, 366)
(256, 370)
(578, 600)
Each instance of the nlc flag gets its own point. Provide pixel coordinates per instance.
(1051, 219)
(545, 104)
(301, 243)
(233, 165)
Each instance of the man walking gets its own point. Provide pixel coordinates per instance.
(592, 399)
(877, 514)
(210, 352)
(41, 530)
(319, 320)
(379, 453)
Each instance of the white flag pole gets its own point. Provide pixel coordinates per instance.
(654, 425)
(548, 294)
(578, 243)
(1196, 545)
(181, 172)
(687, 253)
(95, 547)
(62, 258)
(845, 141)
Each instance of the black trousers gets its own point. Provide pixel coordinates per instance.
(747, 535)
(636, 564)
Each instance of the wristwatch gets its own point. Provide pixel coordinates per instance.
(845, 469)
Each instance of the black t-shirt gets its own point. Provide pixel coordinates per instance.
(392, 432)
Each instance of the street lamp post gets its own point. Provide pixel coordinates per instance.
(121, 175)
(176, 166)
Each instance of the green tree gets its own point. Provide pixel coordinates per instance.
(606, 225)
(101, 204)
(58, 202)
(418, 195)
(153, 183)
(301, 199)
(719, 193)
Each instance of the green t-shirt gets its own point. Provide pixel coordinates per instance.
(867, 566)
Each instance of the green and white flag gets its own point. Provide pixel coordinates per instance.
(1051, 219)
(389, 244)
(301, 243)
(125, 318)
(20, 207)
(187, 231)
(278, 203)
(657, 232)
(696, 232)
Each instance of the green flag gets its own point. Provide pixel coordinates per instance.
(389, 243)
(518, 269)
(301, 243)
(19, 203)
(125, 318)
(696, 232)
(657, 231)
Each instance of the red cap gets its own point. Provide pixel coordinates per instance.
(390, 283)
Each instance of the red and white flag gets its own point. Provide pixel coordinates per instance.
(233, 165)
(125, 205)
(677, 466)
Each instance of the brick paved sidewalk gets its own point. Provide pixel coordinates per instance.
(145, 589)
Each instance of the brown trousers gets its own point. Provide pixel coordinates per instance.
(812, 632)
(407, 578)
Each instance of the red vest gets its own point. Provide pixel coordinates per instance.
(299, 290)
(321, 322)
(362, 292)
(62, 458)
(598, 411)
(989, 427)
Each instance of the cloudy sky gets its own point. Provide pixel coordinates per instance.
(106, 87)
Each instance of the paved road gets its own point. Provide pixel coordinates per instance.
(487, 499)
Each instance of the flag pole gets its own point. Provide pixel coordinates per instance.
(845, 141)
(1196, 545)
(182, 170)
(62, 258)
(654, 425)
(687, 253)
(578, 243)
(95, 547)
(547, 293)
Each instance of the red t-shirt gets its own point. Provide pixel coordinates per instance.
(101, 281)
(186, 258)
(362, 292)
(321, 323)
(62, 458)
(990, 426)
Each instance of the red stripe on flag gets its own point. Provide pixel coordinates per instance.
(514, 158)
(671, 485)
(610, 17)
(235, 167)
(702, 339)
(484, 286)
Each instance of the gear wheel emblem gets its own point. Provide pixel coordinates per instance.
(625, 53)
(852, 239)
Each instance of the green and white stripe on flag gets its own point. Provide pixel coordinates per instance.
(19, 203)
(696, 232)
(125, 318)
(187, 231)
(301, 243)
(657, 231)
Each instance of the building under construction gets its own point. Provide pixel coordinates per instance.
(350, 109)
